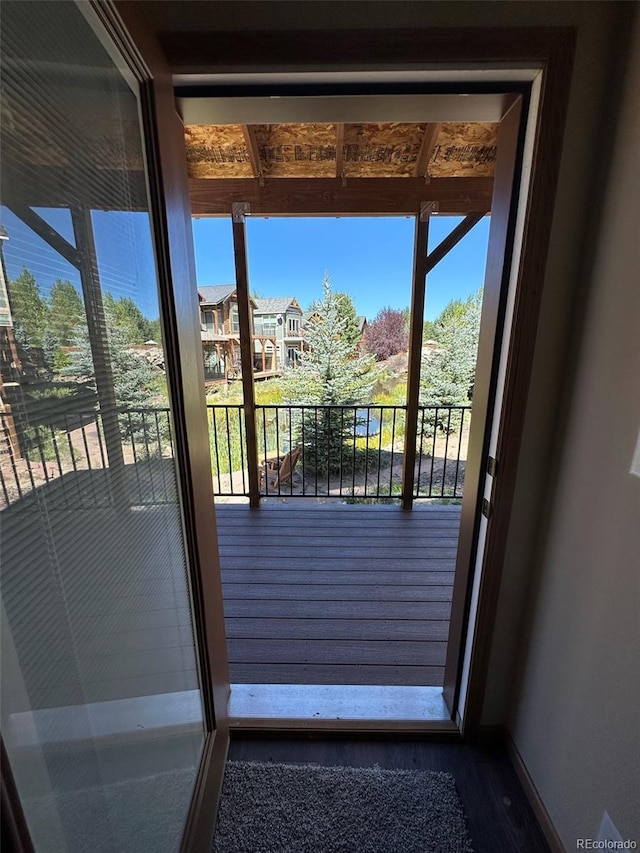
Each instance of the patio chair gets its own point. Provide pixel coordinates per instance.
(279, 470)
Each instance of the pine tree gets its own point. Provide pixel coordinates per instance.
(347, 312)
(66, 311)
(128, 316)
(29, 308)
(137, 383)
(330, 373)
(448, 374)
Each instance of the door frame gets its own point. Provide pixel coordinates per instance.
(171, 228)
(549, 53)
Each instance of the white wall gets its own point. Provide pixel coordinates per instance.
(577, 718)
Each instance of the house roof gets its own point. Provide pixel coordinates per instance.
(216, 293)
(361, 320)
(276, 305)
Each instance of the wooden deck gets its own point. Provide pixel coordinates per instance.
(337, 594)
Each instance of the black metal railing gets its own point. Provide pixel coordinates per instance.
(357, 452)
(70, 452)
(349, 452)
(228, 447)
(441, 452)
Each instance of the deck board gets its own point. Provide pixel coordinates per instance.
(337, 594)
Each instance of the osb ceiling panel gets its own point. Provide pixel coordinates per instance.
(368, 150)
(217, 151)
(297, 150)
(381, 150)
(464, 150)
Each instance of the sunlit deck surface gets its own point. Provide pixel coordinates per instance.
(337, 593)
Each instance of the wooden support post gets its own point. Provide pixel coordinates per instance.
(415, 350)
(238, 213)
(339, 150)
(8, 422)
(426, 151)
(253, 151)
(263, 347)
(98, 341)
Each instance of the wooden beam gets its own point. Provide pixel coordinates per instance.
(100, 354)
(339, 148)
(252, 147)
(452, 239)
(238, 213)
(326, 196)
(418, 289)
(426, 150)
(207, 51)
(50, 236)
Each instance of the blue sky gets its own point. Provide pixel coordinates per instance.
(369, 258)
(123, 247)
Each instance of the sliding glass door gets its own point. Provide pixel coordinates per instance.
(107, 711)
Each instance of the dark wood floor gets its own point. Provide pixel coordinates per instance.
(499, 817)
(337, 594)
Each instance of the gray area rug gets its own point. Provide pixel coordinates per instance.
(280, 808)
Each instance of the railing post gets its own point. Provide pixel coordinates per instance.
(238, 213)
(415, 350)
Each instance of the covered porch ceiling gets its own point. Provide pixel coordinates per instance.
(342, 154)
(329, 168)
(333, 168)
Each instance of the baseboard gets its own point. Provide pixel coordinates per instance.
(531, 793)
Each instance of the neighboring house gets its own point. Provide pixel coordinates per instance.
(220, 330)
(309, 317)
(362, 329)
(220, 333)
(280, 320)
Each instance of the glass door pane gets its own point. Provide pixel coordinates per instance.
(101, 713)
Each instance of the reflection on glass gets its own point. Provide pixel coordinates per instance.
(101, 711)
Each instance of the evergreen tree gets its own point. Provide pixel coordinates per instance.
(448, 374)
(347, 313)
(350, 329)
(66, 311)
(50, 348)
(154, 331)
(330, 373)
(128, 316)
(429, 330)
(29, 308)
(137, 383)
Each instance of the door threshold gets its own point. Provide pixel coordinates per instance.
(320, 706)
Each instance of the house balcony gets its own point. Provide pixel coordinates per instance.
(329, 581)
